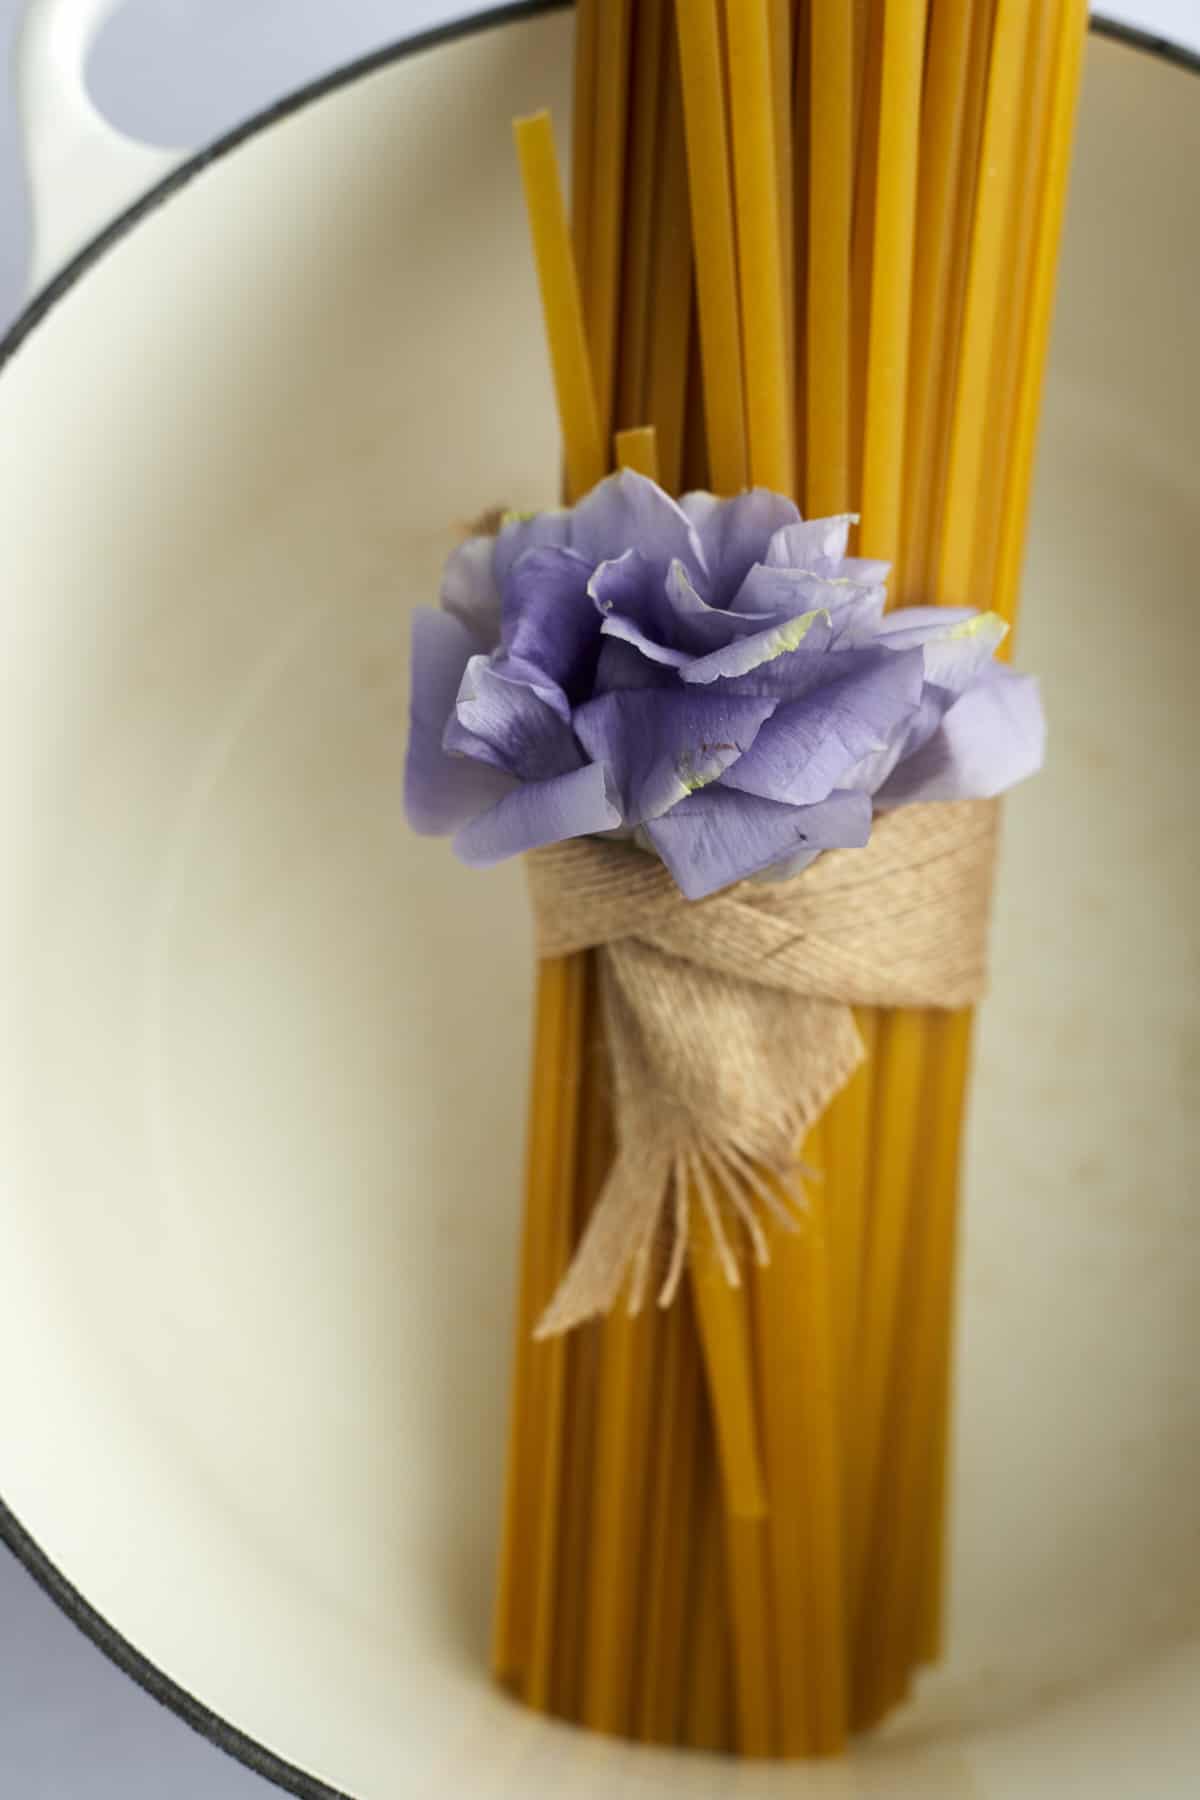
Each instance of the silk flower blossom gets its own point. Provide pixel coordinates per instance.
(716, 680)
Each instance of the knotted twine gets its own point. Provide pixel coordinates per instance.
(728, 1020)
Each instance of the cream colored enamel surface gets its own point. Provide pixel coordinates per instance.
(81, 171)
(263, 1053)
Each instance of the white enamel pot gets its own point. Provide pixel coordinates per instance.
(262, 1053)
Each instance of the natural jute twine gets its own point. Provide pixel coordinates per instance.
(728, 1020)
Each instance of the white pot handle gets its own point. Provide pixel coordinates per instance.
(81, 171)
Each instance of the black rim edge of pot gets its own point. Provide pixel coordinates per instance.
(149, 1677)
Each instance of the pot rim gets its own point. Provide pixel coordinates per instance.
(47, 297)
(132, 1662)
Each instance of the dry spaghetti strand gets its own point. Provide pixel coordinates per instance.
(561, 304)
(536, 1412)
(711, 190)
(672, 1523)
(670, 283)
(831, 205)
(602, 297)
(765, 333)
(1064, 99)
(944, 153)
(645, 129)
(723, 1322)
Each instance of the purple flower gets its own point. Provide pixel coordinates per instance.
(715, 679)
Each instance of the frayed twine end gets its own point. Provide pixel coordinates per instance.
(727, 1187)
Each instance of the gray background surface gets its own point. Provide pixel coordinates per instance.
(179, 72)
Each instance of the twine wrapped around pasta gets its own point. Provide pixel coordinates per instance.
(728, 1020)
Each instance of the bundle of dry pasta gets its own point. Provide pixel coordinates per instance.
(810, 263)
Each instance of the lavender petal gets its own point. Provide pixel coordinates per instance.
(958, 655)
(759, 650)
(718, 837)
(441, 791)
(523, 532)
(550, 624)
(621, 665)
(910, 625)
(808, 747)
(538, 813)
(626, 511)
(735, 534)
(633, 605)
(857, 620)
(507, 723)
(990, 738)
(662, 746)
(469, 592)
(854, 607)
(817, 545)
(869, 775)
